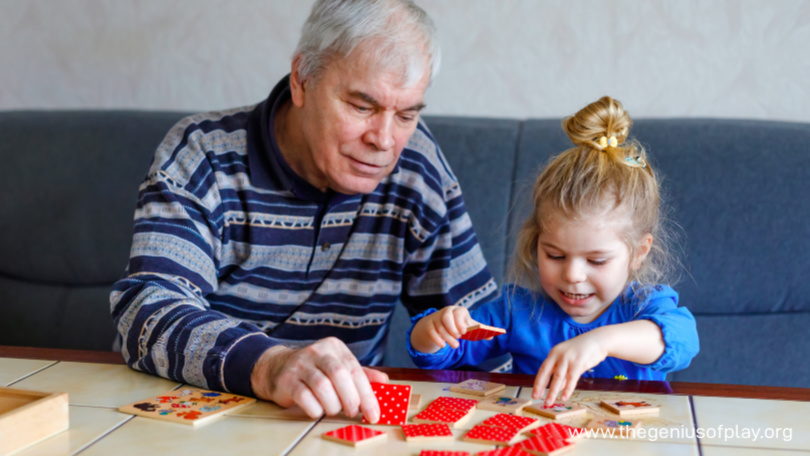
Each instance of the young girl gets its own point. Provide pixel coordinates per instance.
(586, 299)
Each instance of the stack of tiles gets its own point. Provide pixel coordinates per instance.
(501, 429)
(549, 440)
(452, 411)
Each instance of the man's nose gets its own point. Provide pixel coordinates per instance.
(381, 132)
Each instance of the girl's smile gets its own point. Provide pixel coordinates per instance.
(585, 263)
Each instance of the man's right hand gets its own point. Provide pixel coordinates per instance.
(324, 377)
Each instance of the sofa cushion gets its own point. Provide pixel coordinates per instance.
(71, 182)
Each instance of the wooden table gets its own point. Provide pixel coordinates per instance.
(98, 383)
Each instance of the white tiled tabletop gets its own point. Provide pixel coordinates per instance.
(97, 428)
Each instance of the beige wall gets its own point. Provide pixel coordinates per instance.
(505, 58)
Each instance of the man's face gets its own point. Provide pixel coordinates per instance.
(355, 120)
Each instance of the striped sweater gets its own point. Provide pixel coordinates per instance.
(233, 253)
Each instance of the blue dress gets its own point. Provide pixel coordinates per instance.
(535, 324)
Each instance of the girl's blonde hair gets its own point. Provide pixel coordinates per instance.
(603, 167)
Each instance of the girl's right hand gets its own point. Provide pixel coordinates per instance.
(445, 326)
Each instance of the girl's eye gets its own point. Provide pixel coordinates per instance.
(554, 257)
(598, 262)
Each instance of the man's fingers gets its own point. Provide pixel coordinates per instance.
(347, 379)
(375, 376)
(303, 397)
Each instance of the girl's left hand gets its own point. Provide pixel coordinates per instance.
(566, 362)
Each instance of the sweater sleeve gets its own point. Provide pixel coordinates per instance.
(159, 308)
(677, 326)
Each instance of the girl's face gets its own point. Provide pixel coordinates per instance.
(585, 264)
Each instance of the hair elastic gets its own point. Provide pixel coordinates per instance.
(604, 141)
(638, 161)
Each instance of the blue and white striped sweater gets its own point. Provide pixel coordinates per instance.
(227, 261)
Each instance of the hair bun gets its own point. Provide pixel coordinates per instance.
(602, 124)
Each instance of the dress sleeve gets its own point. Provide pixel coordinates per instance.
(677, 326)
(159, 308)
(469, 353)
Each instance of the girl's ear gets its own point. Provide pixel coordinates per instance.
(641, 251)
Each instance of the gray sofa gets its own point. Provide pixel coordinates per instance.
(740, 191)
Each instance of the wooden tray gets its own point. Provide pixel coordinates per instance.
(26, 417)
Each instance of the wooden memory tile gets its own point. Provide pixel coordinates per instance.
(508, 451)
(354, 435)
(454, 403)
(427, 432)
(452, 417)
(521, 423)
(620, 426)
(504, 404)
(393, 400)
(481, 332)
(492, 435)
(557, 431)
(542, 446)
(558, 410)
(192, 406)
(443, 453)
(416, 402)
(631, 407)
(478, 388)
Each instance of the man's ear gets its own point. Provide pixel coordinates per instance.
(641, 252)
(296, 83)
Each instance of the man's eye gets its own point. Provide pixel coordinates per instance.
(362, 109)
(407, 118)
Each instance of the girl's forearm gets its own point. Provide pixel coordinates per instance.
(639, 341)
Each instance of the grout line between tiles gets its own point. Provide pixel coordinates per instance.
(770, 450)
(695, 423)
(102, 436)
(302, 436)
(33, 373)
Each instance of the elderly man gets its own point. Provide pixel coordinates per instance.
(272, 242)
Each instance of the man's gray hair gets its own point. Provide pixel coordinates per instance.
(404, 36)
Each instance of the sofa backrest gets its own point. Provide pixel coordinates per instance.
(738, 190)
(67, 198)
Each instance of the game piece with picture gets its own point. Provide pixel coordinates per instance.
(192, 406)
(632, 407)
(558, 410)
(427, 432)
(480, 332)
(503, 404)
(354, 435)
(393, 400)
(620, 425)
(477, 388)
